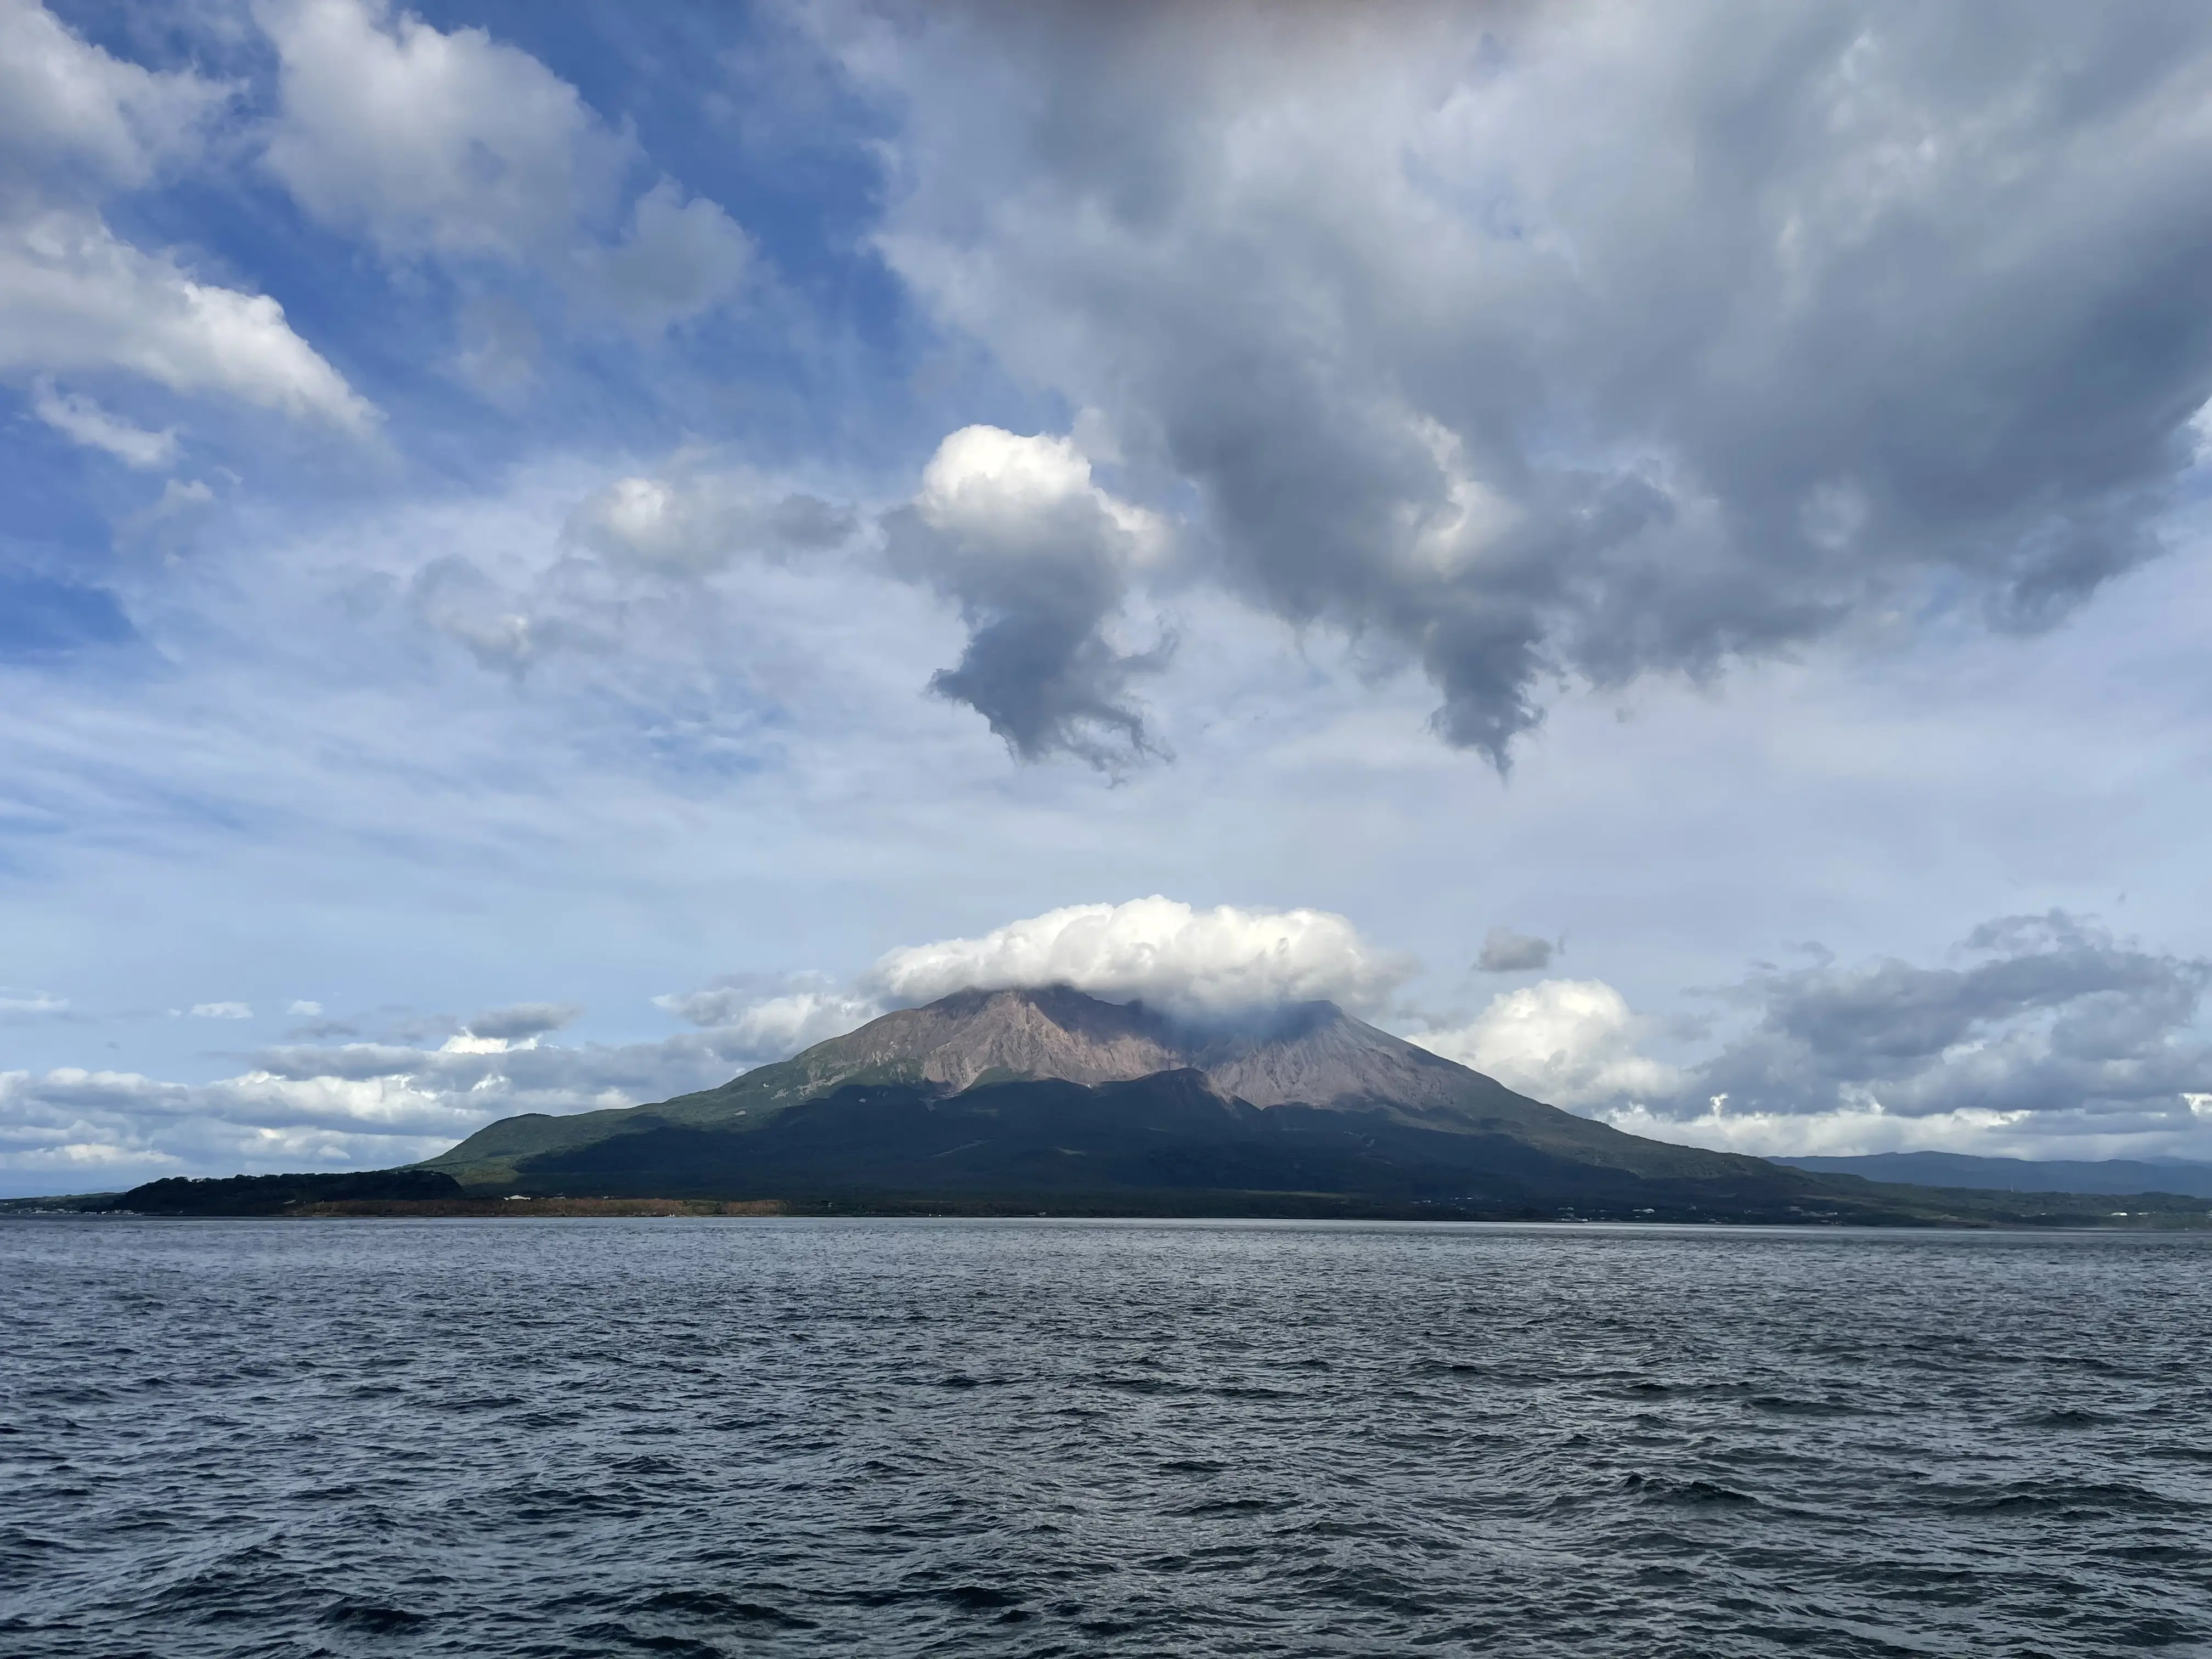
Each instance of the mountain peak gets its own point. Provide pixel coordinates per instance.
(1052, 1031)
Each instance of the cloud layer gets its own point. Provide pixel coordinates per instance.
(80, 126)
(1566, 1041)
(355, 1104)
(1161, 951)
(459, 147)
(2046, 1031)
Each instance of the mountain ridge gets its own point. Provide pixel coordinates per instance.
(1310, 1055)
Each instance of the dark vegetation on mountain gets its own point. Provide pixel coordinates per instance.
(275, 1194)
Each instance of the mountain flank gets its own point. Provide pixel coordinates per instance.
(979, 1057)
(1022, 1101)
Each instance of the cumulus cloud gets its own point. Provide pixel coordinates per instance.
(676, 260)
(72, 1129)
(220, 1011)
(2047, 1035)
(1566, 1041)
(430, 142)
(73, 118)
(81, 420)
(373, 1104)
(1161, 951)
(497, 626)
(1590, 341)
(775, 1019)
(76, 125)
(691, 521)
(458, 146)
(75, 297)
(30, 1004)
(1038, 557)
(1504, 951)
(2049, 1018)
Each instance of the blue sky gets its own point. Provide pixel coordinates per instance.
(544, 547)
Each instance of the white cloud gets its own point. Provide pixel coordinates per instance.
(357, 1105)
(777, 1026)
(75, 297)
(220, 1011)
(1568, 1041)
(458, 146)
(677, 259)
(181, 498)
(301, 1008)
(691, 520)
(81, 420)
(995, 489)
(24, 1004)
(73, 1126)
(2050, 1021)
(1162, 952)
(76, 125)
(429, 142)
(1866, 1128)
(67, 108)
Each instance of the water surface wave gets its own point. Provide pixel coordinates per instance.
(896, 1437)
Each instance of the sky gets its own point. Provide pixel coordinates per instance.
(551, 554)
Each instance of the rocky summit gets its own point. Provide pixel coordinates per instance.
(1042, 1098)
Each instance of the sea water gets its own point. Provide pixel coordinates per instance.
(909, 1437)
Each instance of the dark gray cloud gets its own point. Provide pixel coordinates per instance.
(1504, 951)
(2043, 1015)
(1576, 342)
(523, 1020)
(1038, 558)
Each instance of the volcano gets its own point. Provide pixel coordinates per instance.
(1050, 1099)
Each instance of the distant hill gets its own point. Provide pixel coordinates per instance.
(247, 1196)
(2016, 1175)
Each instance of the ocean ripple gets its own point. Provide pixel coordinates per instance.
(717, 1438)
